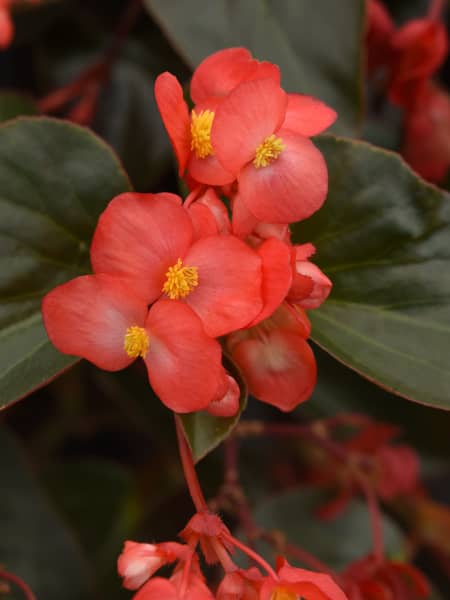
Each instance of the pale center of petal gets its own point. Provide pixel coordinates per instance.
(201, 133)
(136, 342)
(283, 594)
(180, 281)
(268, 151)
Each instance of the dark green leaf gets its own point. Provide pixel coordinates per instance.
(34, 543)
(55, 179)
(14, 105)
(126, 115)
(337, 542)
(383, 237)
(340, 390)
(205, 432)
(98, 499)
(316, 44)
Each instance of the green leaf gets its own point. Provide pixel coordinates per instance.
(126, 115)
(13, 105)
(318, 45)
(98, 499)
(340, 389)
(205, 432)
(337, 542)
(383, 237)
(34, 544)
(55, 179)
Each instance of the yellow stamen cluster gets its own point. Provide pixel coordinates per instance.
(136, 342)
(201, 133)
(180, 281)
(283, 594)
(268, 151)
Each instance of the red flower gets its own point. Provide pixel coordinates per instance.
(6, 24)
(260, 135)
(380, 29)
(419, 49)
(146, 239)
(426, 146)
(368, 580)
(277, 362)
(297, 583)
(98, 317)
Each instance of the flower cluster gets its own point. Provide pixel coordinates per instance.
(392, 470)
(407, 58)
(138, 563)
(171, 278)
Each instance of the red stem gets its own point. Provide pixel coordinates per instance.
(375, 518)
(99, 72)
(189, 469)
(6, 576)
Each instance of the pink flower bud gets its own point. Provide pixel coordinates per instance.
(138, 562)
(310, 287)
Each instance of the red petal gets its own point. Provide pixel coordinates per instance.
(252, 112)
(208, 170)
(222, 71)
(309, 294)
(175, 115)
(183, 363)
(307, 116)
(6, 28)
(138, 237)
(304, 251)
(324, 584)
(277, 276)
(157, 588)
(203, 221)
(89, 316)
(219, 73)
(291, 188)
(242, 219)
(280, 368)
(227, 404)
(228, 295)
(208, 213)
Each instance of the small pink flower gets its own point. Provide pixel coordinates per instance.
(138, 562)
(310, 287)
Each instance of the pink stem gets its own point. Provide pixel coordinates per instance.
(19, 583)
(189, 470)
(251, 554)
(223, 556)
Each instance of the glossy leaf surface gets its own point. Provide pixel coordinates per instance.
(383, 238)
(316, 44)
(55, 179)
